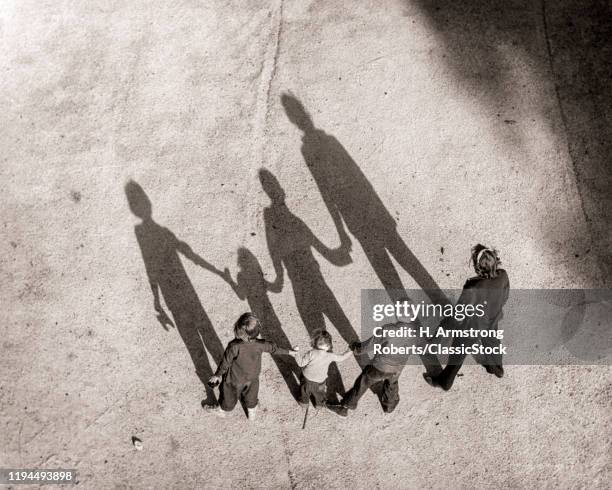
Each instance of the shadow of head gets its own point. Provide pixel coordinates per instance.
(296, 112)
(139, 202)
(271, 186)
(247, 261)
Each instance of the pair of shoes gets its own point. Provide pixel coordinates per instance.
(436, 382)
(216, 410)
(252, 414)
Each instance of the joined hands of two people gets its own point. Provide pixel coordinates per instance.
(162, 317)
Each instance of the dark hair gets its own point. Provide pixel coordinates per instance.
(322, 339)
(485, 260)
(247, 327)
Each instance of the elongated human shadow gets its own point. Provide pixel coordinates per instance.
(251, 285)
(291, 244)
(160, 250)
(350, 198)
(352, 201)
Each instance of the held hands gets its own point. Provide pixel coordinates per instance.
(164, 319)
(276, 286)
(214, 381)
(345, 241)
(227, 275)
(224, 274)
(344, 259)
(345, 249)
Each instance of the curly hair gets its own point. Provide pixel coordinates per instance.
(485, 260)
(247, 327)
(322, 340)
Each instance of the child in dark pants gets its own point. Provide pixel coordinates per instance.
(240, 367)
(315, 365)
(384, 368)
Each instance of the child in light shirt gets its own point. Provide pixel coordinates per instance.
(315, 364)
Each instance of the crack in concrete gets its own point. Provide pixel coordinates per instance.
(277, 42)
(290, 474)
(19, 443)
(270, 61)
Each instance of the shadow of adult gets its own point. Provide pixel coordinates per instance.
(160, 250)
(251, 285)
(291, 244)
(569, 44)
(350, 198)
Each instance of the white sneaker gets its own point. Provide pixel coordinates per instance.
(252, 414)
(216, 409)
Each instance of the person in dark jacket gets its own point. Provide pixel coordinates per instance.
(240, 367)
(490, 287)
(383, 368)
(252, 285)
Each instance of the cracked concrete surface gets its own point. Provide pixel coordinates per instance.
(472, 121)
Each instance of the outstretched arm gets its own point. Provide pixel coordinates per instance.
(272, 348)
(328, 194)
(301, 359)
(275, 286)
(186, 250)
(239, 291)
(152, 276)
(344, 356)
(338, 256)
(162, 316)
(365, 347)
(345, 241)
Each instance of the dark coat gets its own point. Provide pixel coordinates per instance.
(493, 293)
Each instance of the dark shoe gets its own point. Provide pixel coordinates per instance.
(498, 371)
(388, 410)
(436, 382)
(338, 410)
(346, 406)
